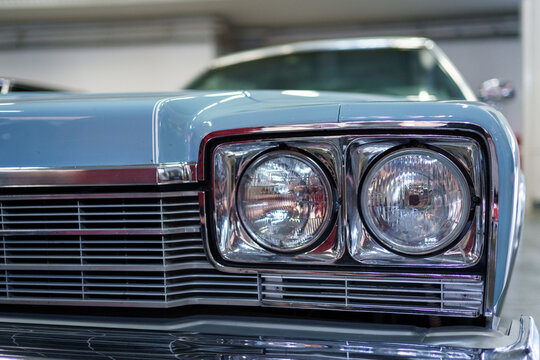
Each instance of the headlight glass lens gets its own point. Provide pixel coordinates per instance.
(285, 201)
(415, 201)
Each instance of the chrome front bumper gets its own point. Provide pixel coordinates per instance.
(250, 338)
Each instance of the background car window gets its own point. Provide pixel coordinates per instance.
(405, 73)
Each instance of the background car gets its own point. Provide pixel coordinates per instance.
(412, 68)
(8, 85)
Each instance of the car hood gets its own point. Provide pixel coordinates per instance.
(71, 130)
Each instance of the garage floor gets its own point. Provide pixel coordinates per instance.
(523, 295)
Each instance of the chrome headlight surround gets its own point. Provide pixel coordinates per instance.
(235, 242)
(464, 251)
(429, 194)
(349, 248)
(280, 211)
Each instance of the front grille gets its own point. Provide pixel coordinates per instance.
(115, 249)
(382, 294)
(145, 249)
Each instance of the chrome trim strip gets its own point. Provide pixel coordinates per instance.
(195, 265)
(196, 299)
(116, 195)
(179, 230)
(115, 175)
(291, 130)
(490, 311)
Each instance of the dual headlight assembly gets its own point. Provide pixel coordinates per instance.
(348, 201)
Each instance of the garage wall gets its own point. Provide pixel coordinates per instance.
(149, 67)
(110, 57)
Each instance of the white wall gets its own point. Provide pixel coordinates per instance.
(147, 67)
(482, 59)
(110, 56)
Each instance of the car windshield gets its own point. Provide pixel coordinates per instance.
(411, 73)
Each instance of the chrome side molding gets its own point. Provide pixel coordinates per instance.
(118, 175)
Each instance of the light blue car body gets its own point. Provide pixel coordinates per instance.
(57, 130)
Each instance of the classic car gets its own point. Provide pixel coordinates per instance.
(8, 85)
(266, 224)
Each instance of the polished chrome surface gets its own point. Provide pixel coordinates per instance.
(221, 337)
(496, 280)
(126, 175)
(145, 249)
(353, 152)
(232, 241)
(469, 153)
(288, 206)
(110, 249)
(367, 250)
(491, 302)
(297, 129)
(411, 294)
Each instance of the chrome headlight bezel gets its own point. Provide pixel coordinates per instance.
(464, 251)
(234, 243)
(447, 160)
(327, 183)
(345, 154)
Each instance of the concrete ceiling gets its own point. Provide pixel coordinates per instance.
(256, 12)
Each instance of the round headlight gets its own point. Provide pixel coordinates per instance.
(285, 201)
(415, 201)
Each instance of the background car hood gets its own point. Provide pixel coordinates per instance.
(61, 130)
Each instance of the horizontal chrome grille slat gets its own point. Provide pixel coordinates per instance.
(215, 283)
(407, 309)
(116, 195)
(361, 288)
(84, 221)
(202, 277)
(103, 231)
(91, 214)
(402, 298)
(107, 267)
(376, 279)
(10, 209)
(88, 250)
(212, 292)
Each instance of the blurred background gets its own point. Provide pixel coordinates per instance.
(160, 45)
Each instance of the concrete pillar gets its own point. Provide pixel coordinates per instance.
(531, 97)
